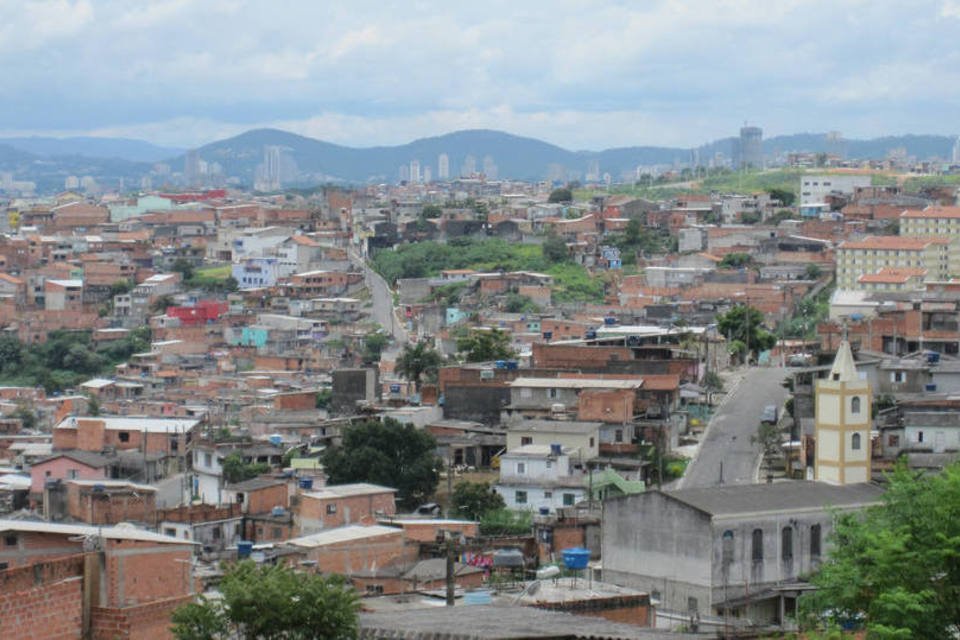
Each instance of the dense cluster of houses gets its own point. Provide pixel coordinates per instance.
(262, 312)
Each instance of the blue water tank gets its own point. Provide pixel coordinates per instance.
(591, 334)
(576, 558)
(306, 483)
(609, 320)
(500, 364)
(477, 598)
(548, 335)
(933, 357)
(930, 387)
(556, 449)
(544, 511)
(512, 365)
(276, 440)
(244, 548)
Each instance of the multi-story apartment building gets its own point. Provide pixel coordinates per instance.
(870, 255)
(932, 222)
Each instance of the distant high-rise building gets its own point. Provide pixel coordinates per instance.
(956, 151)
(404, 173)
(72, 182)
(836, 145)
(267, 176)
(489, 168)
(414, 171)
(427, 174)
(191, 169)
(469, 167)
(751, 147)
(593, 171)
(443, 167)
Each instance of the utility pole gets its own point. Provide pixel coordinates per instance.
(451, 564)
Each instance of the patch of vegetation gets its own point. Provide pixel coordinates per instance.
(572, 282)
(504, 522)
(66, 359)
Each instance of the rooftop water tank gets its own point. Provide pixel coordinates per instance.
(576, 558)
(244, 548)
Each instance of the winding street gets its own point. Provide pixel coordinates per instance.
(727, 455)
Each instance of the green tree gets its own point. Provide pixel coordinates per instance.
(736, 261)
(485, 345)
(555, 248)
(785, 196)
(185, 268)
(160, 304)
(386, 453)
(896, 567)
(93, 406)
(813, 272)
(416, 361)
(11, 353)
(516, 303)
(324, 396)
(431, 211)
(236, 470)
(563, 194)
(26, 414)
(745, 324)
(504, 522)
(473, 500)
(272, 602)
(373, 345)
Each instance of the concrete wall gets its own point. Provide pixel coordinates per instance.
(658, 545)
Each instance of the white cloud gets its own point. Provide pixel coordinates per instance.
(664, 71)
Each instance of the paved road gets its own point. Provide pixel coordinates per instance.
(726, 445)
(382, 310)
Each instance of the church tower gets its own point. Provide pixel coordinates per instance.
(843, 423)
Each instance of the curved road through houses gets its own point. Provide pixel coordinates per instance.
(727, 455)
(382, 298)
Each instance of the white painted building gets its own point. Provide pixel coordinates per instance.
(541, 477)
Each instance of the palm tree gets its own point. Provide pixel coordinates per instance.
(417, 360)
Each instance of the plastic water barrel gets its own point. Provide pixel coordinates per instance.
(576, 558)
(306, 483)
(244, 548)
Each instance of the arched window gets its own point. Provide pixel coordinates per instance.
(855, 442)
(855, 404)
(727, 546)
(815, 541)
(757, 546)
(786, 544)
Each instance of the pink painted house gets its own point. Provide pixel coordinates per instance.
(68, 465)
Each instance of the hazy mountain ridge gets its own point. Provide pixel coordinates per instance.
(92, 147)
(318, 161)
(516, 156)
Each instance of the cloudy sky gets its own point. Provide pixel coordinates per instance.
(584, 75)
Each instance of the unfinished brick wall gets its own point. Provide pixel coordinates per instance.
(144, 622)
(43, 600)
(143, 572)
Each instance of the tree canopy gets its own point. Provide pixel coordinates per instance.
(388, 454)
(555, 248)
(896, 567)
(474, 500)
(485, 345)
(271, 602)
(416, 361)
(745, 324)
(236, 470)
(563, 194)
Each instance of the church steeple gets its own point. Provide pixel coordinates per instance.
(843, 421)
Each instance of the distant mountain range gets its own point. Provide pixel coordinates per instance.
(516, 157)
(112, 161)
(91, 147)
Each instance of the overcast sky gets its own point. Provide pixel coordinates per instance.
(584, 75)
